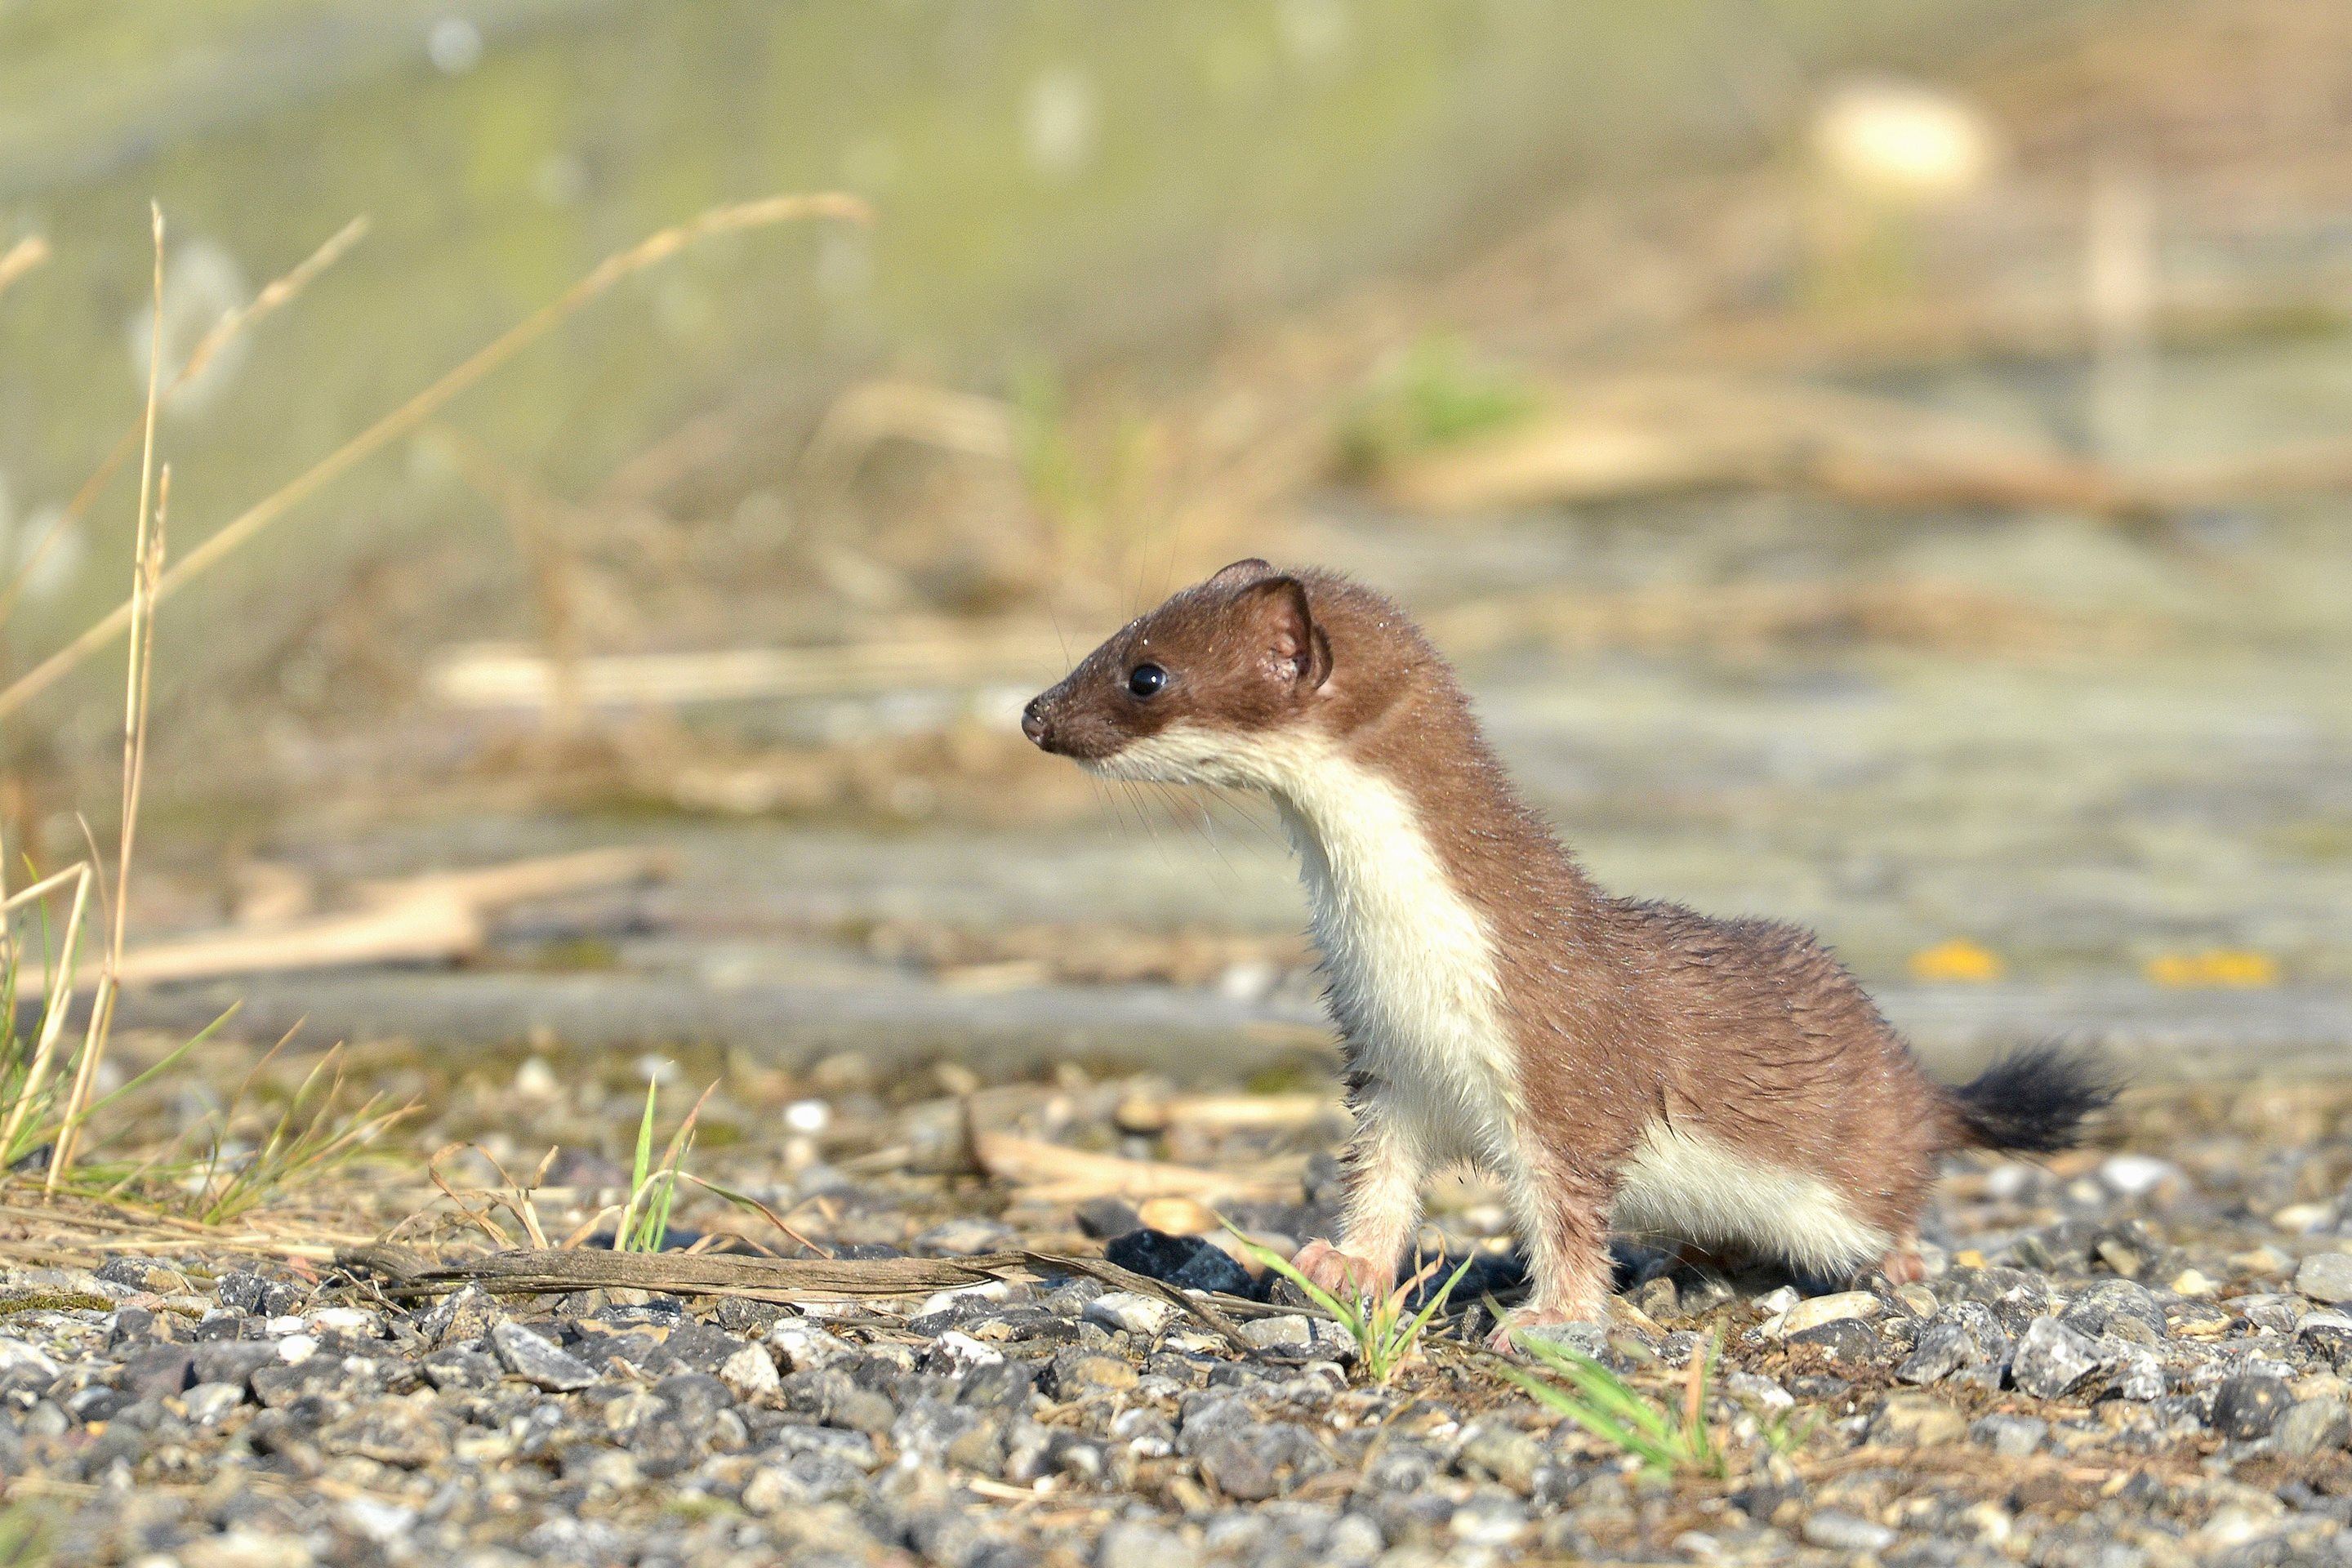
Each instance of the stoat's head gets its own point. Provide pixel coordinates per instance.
(1210, 688)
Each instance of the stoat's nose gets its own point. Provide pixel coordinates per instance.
(1033, 720)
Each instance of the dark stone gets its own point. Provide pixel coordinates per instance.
(2052, 1359)
(1006, 1383)
(158, 1373)
(461, 1367)
(132, 1323)
(460, 1317)
(540, 1360)
(1845, 1341)
(1240, 1469)
(233, 1360)
(1818, 1388)
(695, 1399)
(640, 1350)
(2248, 1405)
(1940, 1350)
(139, 1273)
(1188, 1262)
(2015, 1297)
(702, 1347)
(832, 1397)
(741, 1315)
(256, 1294)
(1105, 1217)
(2117, 1307)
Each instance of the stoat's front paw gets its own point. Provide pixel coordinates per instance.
(1342, 1274)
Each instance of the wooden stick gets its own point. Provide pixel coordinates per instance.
(436, 917)
(405, 1271)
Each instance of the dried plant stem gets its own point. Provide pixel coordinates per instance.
(53, 1013)
(274, 297)
(22, 257)
(43, 888)
(409, 415)
(146, 569)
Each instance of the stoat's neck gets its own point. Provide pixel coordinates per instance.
(1415, 982)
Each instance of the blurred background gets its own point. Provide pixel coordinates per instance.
(1880, 465)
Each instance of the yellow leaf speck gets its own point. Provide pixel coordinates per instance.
(1957, 959)
(2216, 966)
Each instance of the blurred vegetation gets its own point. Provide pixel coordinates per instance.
(1438, 394)
(1053, 179)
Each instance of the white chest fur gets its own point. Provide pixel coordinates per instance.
(1412, 973)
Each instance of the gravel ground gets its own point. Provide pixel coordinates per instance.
(2124, 1357)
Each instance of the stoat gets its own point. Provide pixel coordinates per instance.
(1613, 1061)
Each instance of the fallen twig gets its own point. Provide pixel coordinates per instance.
(436, 917)
(789, 1281)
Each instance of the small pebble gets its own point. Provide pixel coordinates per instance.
(1836, 1532)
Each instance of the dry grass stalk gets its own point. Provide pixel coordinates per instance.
(495, 676)
(22, 257)
(414, 414)
(53, 1017)
(274, 297)
(146, 569)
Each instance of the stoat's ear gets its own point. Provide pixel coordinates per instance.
(1283, 628)
(1241, 572)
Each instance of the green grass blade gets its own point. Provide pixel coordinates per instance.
(1595, 1421)
(644, 1164)
(1601, 1386)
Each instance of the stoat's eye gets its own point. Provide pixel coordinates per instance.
(1146, 680)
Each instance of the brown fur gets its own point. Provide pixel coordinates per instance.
(1621, 1013)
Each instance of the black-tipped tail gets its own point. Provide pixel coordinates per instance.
(2032, 1101)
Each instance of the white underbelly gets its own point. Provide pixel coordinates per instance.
(1683, 1186)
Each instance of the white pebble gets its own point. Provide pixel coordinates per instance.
(990, 1290)
(964, 1350)
(2129, 1175)
(1131, 1310)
